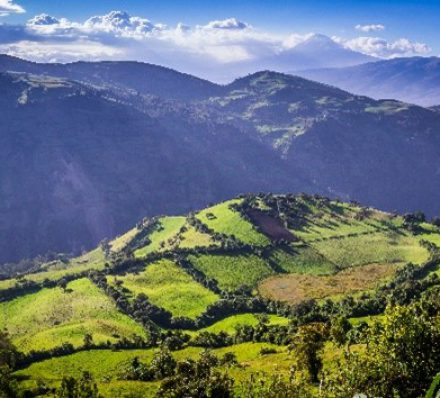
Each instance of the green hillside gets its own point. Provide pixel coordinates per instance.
(246, 276)
(51, 317)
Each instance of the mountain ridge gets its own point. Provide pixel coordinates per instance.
(413, 79)
(267, 131)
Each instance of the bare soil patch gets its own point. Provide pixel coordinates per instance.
(294, 288)
(270, 226)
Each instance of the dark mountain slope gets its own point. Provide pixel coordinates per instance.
(384, 153)
(78, 165)
(82, 163)
(414, 80)
(137, 76)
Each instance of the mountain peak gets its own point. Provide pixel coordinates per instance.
(318, 42)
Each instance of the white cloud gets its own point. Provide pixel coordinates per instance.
(379, 47)
(9, 7)
(43, 20)
(60, 52)
(219, 49)
(231, 23)
(224, 41)
(370, 28)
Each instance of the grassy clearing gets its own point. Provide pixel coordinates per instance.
(192, 238)
(383, 247)
(231, 272)
(122, 241)
(106, 365)
(169, 287)
(302, 260)
(168, 228)
(295, 288)
(229, 324)
(222, 219)
(51, 317)
(431, 233)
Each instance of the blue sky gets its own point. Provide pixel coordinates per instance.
(383, 29)
(416, 19)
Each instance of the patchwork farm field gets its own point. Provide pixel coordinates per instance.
(222, 219)
(230, 324)
(167, 228)
(381, 247)
(302, 260)
(168, 286)
(107, 366)
(294, 288)
(239, 275)
(231, 272)
(51, 317)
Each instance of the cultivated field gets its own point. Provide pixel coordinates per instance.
(168, 286)
(51, 317)
(294, 288)
(231, 272)
(224, 220)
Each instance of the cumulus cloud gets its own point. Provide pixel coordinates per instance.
(370, 28)
(9, 7)
(43, 20)
(382, 48)
(224, 41)
(231, 23)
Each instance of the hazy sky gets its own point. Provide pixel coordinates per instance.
(217, 32)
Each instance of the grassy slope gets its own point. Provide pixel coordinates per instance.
(229, 324)
(302, 260)
(122, 241)
(51, 317)
(168, 286)
(93, 260)
(381, 247)
(105, 365)
(169, 227)
(232, 271)
(339, 219)
(192, 238)
(230, 222)
(431, 233)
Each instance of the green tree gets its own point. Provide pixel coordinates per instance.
(401, 357)
(85, 387)
(88, 341)
(308, 344)
(8, 385)
(339, 329)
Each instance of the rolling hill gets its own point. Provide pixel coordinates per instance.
(413, 80)
(132, 139)
(272, 262)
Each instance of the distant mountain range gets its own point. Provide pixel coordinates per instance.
(414, 80)
(317, 52)
(87, 153)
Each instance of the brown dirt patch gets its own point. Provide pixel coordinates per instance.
(270, 226)
(294, 288)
